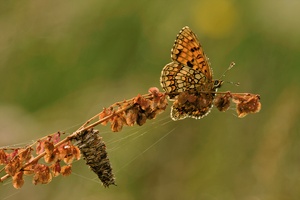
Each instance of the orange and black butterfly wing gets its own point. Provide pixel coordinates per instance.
(188, 51)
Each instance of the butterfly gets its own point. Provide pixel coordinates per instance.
(188, 79)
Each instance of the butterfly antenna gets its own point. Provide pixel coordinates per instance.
(229, 68)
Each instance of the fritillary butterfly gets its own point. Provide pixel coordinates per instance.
(188, 78)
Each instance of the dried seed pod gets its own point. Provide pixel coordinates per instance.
(222, 101)
(3, 157)
(141, 119)
(13, 166)
(142, 102)
(18, 180)
(246, 104)
(106, 112)
(117, 123)
(131, 115)
(55, 168)
(66, 170)
(94, 152)
(42, 174)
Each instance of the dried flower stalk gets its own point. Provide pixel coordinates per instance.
(27, 160)
(58, 154)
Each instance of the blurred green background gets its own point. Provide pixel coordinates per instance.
(62, 61)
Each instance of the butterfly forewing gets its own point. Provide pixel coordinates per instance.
(188, 51)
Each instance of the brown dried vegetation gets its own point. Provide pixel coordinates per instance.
(58, 154)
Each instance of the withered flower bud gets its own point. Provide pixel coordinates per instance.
(141, 119)
(131, 115)
(142, 102)
(106, 112)
(42, 174)
(246, 104)
(49, 147)
(55, 168)
(13, 166)
(154, 91)
(3, 157)
(25, 154)
(18, 180)
(222, 101)
(66, 170)
(117, 123)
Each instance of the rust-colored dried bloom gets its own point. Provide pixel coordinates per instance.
(3, 157)
(13, 166)
(117, 123)
(137, 110)
(222, 101)
(39, 147)
(159, 101)
(106, 112)
(18, 180)
(56, 137)
(158, 105)
(67, 153)
(12, 155)
(55, 168)
(49, 147)
(29, 169)
(66, 170)
(72, 154)
(151, 114)
(52, 157)
(63, 151)
(154, 91)
(246, 104)
(42, 174)
(149, 108)
(162, 103)
(76, 152)
(141, 119)
(142, 102)
(25, 154)
(94, 152)
(131, 115)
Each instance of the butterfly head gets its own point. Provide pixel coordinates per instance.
(217, 84)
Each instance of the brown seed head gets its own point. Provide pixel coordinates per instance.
(42, 174)
(222, 101)
(246, 104)
(18, 180)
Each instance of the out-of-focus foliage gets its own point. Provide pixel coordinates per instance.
(61, 62)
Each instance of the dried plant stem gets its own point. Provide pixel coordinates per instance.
(4, 177)
(87, 141)
(82, 128)
(27, 147)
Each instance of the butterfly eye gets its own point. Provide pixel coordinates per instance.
(218, 83)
